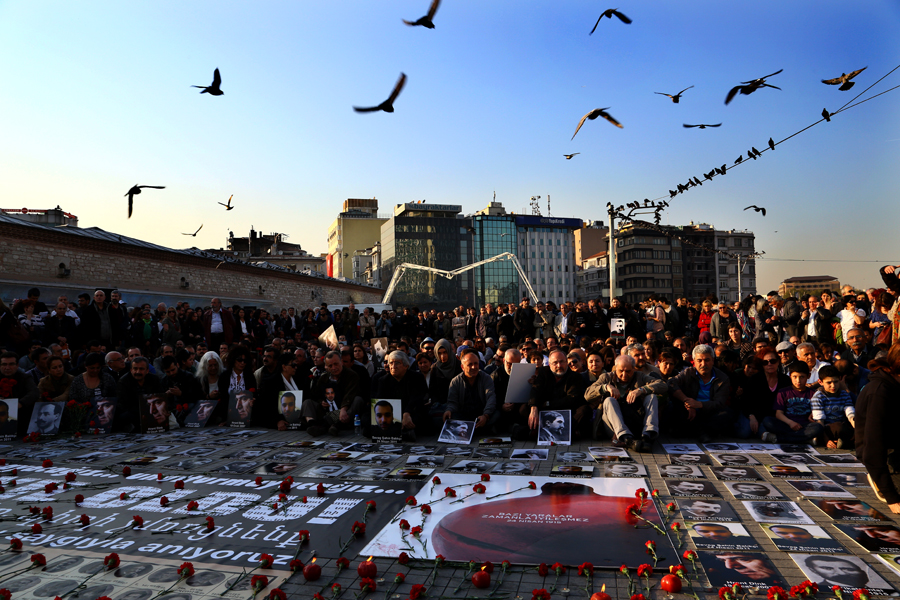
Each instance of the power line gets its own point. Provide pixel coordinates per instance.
(883, 262)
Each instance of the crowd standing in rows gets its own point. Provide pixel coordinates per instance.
(821, 369)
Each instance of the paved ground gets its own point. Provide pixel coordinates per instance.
(519, 582)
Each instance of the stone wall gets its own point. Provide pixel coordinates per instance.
(31, 256)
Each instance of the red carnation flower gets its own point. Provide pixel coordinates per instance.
(478, 488)
(404, 524)
(399, 578)
(85, 520)
(50, 487)
(692, 556)
(277, 594)
(417, 591)
(137, 521)
(295, 565)
(403, 558)
(186, 570)
(450, 492)
(532, 485)
(38, 560)
(258, 582)
(47, 463)
(776, 593)
(343, 562)
(48, 513)
(179, 485)
(436, 480)
(586, 567)
(210, 524)
(485, 477)
(411, 501)
(159, 476)
(123, 496)
(367, 584)
(416, 531)
(36, 528)
(112, 561)
(15, 544)
(638, 597)
(303, 535)
(540, 594)
(70, 476)
(164, 501)
(79, 498)
(644, 570)
(426, 510)
(861, 594)
(671, 507)
(265, 561)
(543, 570)
(557, 568)
(320, 489)
(126, 470)
(192, 505)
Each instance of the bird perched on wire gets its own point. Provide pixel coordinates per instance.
(826, 114)
(569, 156)
(136, 189)
(428, 20)
(844, 80)
(597, 112)
(387, 105)
(195, 233)
(675, 97)
(758, 209)
(212, 90)
(771, 144)
(608, 13)
(227, 206)
(701, 125)
(748, 87)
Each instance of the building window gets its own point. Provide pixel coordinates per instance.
(542, 268)
(542, 241)
(723, 270)
(532, 241)
(721, 242)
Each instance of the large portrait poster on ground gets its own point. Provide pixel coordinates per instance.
(510, 521)
(245, 522)
(386, 415)
(9, 423)
(154, 413)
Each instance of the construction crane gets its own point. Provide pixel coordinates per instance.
(398, 273)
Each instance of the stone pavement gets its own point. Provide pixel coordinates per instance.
(518, 583)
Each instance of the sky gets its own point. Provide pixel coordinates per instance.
(96, 97)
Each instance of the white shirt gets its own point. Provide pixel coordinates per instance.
(289, 384)
(215, 323)
(811, 327)
(814, 372)
(847, 320)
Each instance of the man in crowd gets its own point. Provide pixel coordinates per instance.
(700, 395)
(471, 396)
(556, 388)
(410, 388)
(218, 325)
(131, 391)
(334, 400)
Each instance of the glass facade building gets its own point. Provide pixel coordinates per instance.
(498, 281)
(430, 235)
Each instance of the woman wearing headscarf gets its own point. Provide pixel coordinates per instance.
(447, 364)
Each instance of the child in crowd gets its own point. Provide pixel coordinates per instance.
(833, 408)
(793, 421)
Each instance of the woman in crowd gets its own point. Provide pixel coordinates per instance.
(361, 357)
(705, 317)
(447, 364)
(171, 328)
(877, 415)
(94, 382)
(57, 382)
(209, 369)
(192, 328)
(758, 400)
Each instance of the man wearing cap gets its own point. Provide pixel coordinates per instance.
(788, 355)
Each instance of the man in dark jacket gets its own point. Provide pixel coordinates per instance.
(409, 387)
(60, 328)
(98, 322)
(335, 399)
(556, 387)
(131, 391)
(524, 320)
(700, 395)
(471, 395)
(218, 325)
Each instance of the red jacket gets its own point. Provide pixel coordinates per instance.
(227, 327)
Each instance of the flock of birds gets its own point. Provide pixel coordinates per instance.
(845, 81)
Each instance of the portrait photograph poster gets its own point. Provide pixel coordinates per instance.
(510, 521)
(802, 538)
(102, 414)
(854, 573)
(154, 411)
(46, 417)
(9, 413)
(201, 413)
(289, 403)
(385, 415)
(555, 428)
(519, 390)
(240, 409)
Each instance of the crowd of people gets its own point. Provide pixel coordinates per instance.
(822, 369)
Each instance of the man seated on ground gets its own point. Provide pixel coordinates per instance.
(699, 398)
(471, 396)
(510, 413)
(409, 387)
(334, 400)
(131, 390)
(639, 354)
(629, 403)
(180, 385)
(555, 387)
(806, 352)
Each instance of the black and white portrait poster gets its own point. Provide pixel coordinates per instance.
(339, 456)
(412, 473)
(623, 470)
(714, 447)
(840, 460)
(681, 471)
(513, 468)
(750, 569)
(573, 456)
(240, 409)
(682, 449)
(386, 416)
(289, 403)
(103, 414)
(9, 422)
(493, 453)
(367, 472)
(510, 521)
(554, 428)
(752, 490)
(496, 441)
(849, 510)
(424, 460)
(529, 454)
(789, 471)
(850, 573)
(689, 459)
(609, 454)
(848, 479)
(473, 466)
(892, 561)
(376, 459)
(154, 411)
(736, 474)
(796, 459)
(702, 509)
(874, 537)
(457, 432)
(763, 511)
(711, 535)
(819, 488)
(46, 418)
(730, 459)
(572, 471)
(687, 488)
(200, 414)
(802, 538)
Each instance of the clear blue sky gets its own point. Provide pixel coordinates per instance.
(95, 98)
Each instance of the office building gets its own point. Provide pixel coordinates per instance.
(357, 227)
(494, 233)
(546, 249)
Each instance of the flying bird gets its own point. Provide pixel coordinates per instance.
(701, 125)
(748, 87)
(227, 206)
(387, 105)
(608, 13)
(771, 144)
(844, 80)
(569, 156)
(427, 20)
(676, 97)
(196, 232)
(597, 112)
(136, 189)
(826, 114)
(758, 209)
(212, 90)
